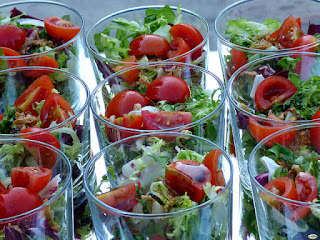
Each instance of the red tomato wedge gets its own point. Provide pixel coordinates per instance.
(211, 162)
(305, 40)
(130, 76)
(59, 28)
(238, 59)
(33, 178)
(15, 62)
(122, 198)
(164, 119)
(12, 37)
(43, 61)
(44, 157)
(39, 90)
(315, 132)
(274, 89)
(2, 188)
(55, 108)
(170, 88)
(289, 32)
(178, 47)
(188, 176)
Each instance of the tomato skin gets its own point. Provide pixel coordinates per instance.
(273, 90)
(36, 92)
(211, 162)
(123, 103)
(14, 63)
(12, 37)
(170, 88)
(55, 108)
(289, 32)
(315, 132)
(122, 198)
(59, 28)
(260, 130)
(2, 188)
(44, 157)
(18, 200)
(165, 119)
(188, 176)
(130, 76)
(43, 61)
(238, 59)
(33, 178)
(304, 40)
(149, 44)
(178, 47)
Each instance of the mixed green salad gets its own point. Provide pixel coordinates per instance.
(163, 177)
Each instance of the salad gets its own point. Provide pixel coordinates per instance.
(25, 185)
(29, 41)
(160, 177)
(292, 172)
(171, 96)
(271, 35)
(160, 35)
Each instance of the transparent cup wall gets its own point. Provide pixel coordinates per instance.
(205, 221)
(54, 218)
(73, 134)
(210, 126)
(103, 66)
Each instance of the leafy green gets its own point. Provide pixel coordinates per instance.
(190, 155)
(166, 12)
(63, 59)
(11, 156)
(9, 117)
(3, 63)
(66, 17)
(162, 159)
(288, 63)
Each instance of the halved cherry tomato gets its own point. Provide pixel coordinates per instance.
(307, 191)
(2, 188)
(178, 47)
(15, 62)
(18, 200)
(59, 28)
(211, 162)
(12, 37)
(149, 44)
(36, 92)
(123, 103)
(132, 75)
(55, 108)
(305, 40)
(315, 132)
(33, 178)
(44, 157)
(164, 119)
(43, 61)
(260, 130)
(274, 89)
(289, 32)
(188, 176)
(1, 117)
(122, 198)
(283, 187)
(170, 88)
(128, 121)
(238, 59)
(275, 34)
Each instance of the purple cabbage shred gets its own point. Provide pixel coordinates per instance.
(15, 12)
(313, 29)
(262, 178)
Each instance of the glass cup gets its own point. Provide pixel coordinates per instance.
(250, 125)
(38, 215)
(293, 168)
(105, 65)
(66, 124)
(65, 52)
(235, 53)
(106, 170)
(206, 107)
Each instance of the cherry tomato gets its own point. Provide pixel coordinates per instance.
(122, 198)
(44, 61)
(59, 28)
(289, 32)
(33, 178)
(12, 37)
(274, 89)
(36, 92)
(211, 162)
(2, 188)
(315, 132)
(128, 121)
(170, 88)
(1, 117)
(123, 103)
(132, 75)
(55, 108)
(164, 119)
(149, 44)
(44, 157)
(260, 130)
(16, 62)
(18, 200)
(305, 40)
(283, 187)
(238, 59)
(178, 47)
(188, 176)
